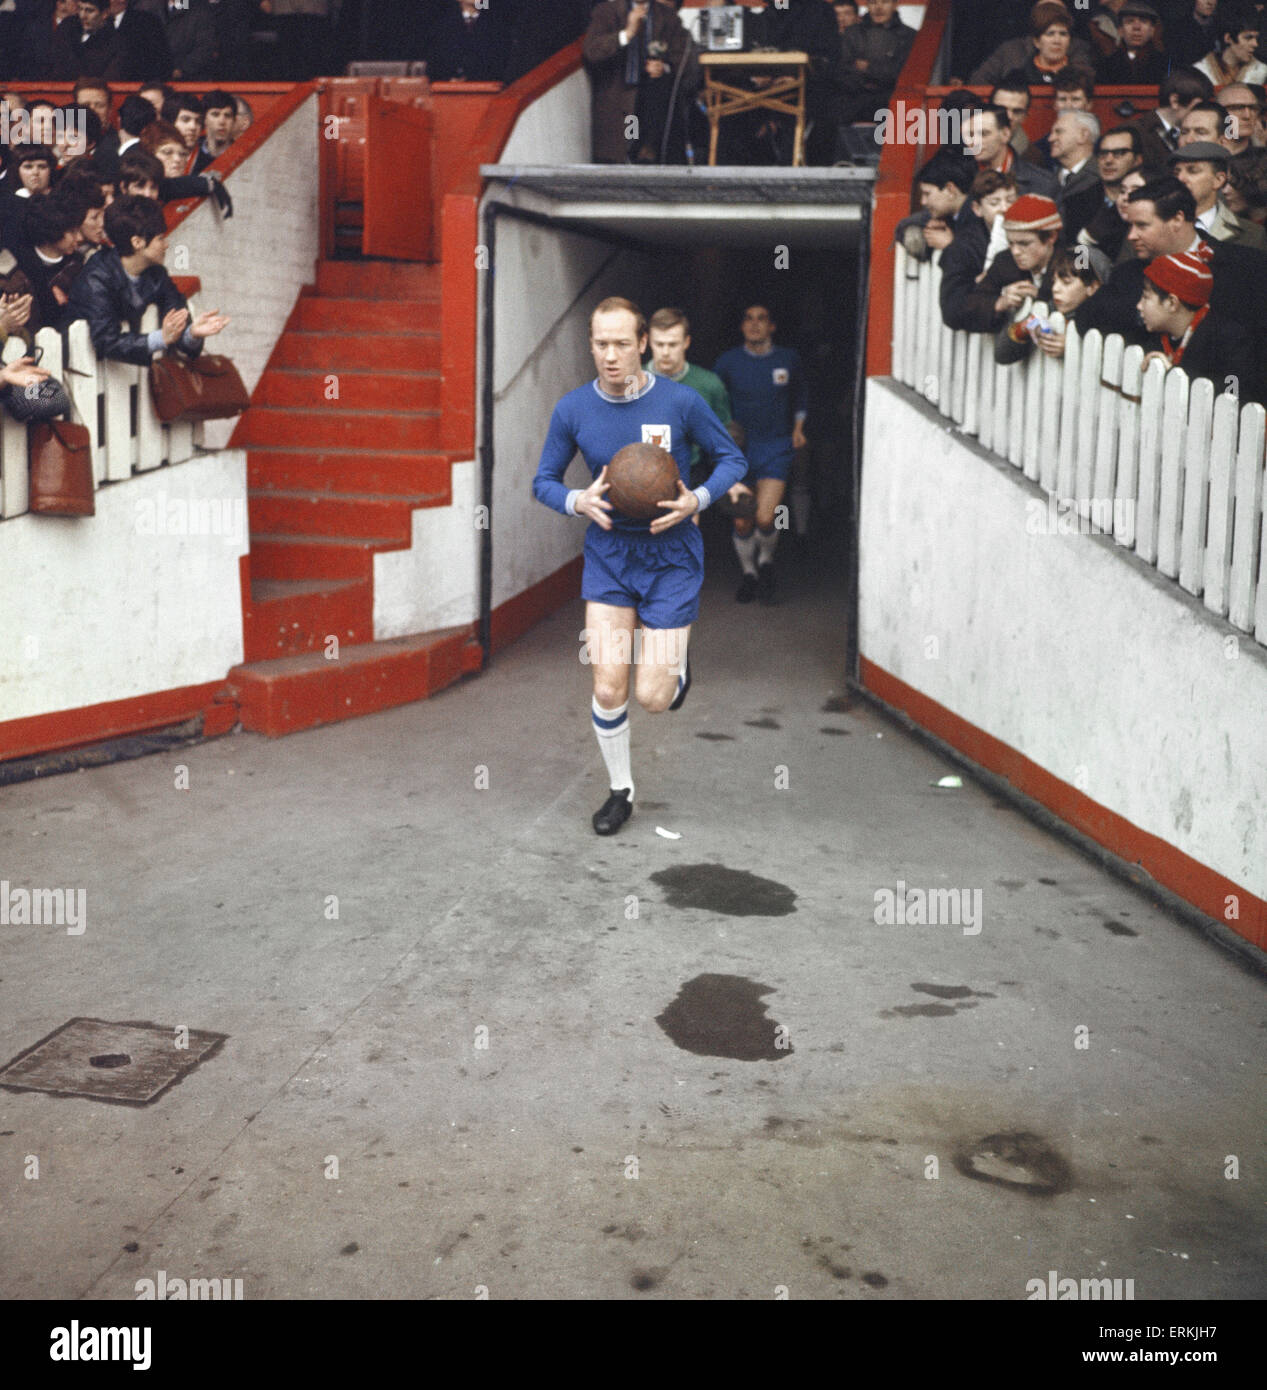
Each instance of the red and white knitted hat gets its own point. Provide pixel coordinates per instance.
(1186, 276)
(1032, 213)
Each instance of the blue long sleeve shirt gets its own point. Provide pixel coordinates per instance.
(768, 391)
(598, 425)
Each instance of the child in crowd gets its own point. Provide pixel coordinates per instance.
(993, 192)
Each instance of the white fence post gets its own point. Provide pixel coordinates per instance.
(1089, 403)
(1101, 493)
(14, 480)
(1150, 441)
(1050, 370)
(149, 429)
(899, 313)
(1196, 472)
(1174, 432)
(83, 385)
(1066, 462)
(1124, 491)
(1218, 551)
(1247, 591)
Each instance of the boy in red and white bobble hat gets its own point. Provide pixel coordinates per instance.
(1175, 304)
(1022, 272)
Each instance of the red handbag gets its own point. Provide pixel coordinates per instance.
(206, 387)
(60, 457)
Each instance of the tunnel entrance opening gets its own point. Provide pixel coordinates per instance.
(711, 242)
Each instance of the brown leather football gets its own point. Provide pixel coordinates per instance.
(640, 476)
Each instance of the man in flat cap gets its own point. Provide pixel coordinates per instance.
(1202, 168)
(1137, 60)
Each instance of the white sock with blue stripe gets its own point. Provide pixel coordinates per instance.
(681, 665)
(612, 729)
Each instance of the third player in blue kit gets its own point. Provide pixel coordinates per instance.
(770, 399)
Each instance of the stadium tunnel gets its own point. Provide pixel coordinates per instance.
(708, 240)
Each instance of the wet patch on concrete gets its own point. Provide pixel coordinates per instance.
(964, 996)
(731, 892)
(951, 991)
(644, 1280)
(1016, 1159)
(723, 1016)
(1011, 884)
(831, 729)
(875, 1279)
(919, 1011)
(762, 724)
(838, 704)
(1117, 928)
(717, 738)
(1050, 882)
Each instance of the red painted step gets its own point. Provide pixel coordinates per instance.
(353, 390)
(300, 692)
(378, 279)
(308, 513)
(285, 617)
(275, 556)
(365, 315)
(344, 352)
(348, 470)
(334, 427)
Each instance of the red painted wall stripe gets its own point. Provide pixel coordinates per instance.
(1205, 889)
(514, 617)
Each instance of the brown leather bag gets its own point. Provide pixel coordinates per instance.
(206, 387)
(60, 457)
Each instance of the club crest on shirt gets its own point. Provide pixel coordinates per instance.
(659, 435)
(780, 376)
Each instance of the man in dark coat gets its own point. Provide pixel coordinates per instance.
(149, 59)
(633, 49)
(1137, 60)
(190, 30)
(89, 46)
(119, 284)
(872, 54)
(1162, 217)
(468, 43)
(1159, 129)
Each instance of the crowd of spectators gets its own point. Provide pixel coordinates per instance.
(82, 229)
(1152, 226)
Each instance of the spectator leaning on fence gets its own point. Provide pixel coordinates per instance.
(1202, 169)
(1174, 305)
(219, 114)
(942, 185)
(992, 194)
(119, 284)
(1021, 273)
(1075, 277)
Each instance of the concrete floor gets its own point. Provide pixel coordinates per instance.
(510, 1167)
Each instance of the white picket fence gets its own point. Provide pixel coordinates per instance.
(1172, 471)
(112, 398)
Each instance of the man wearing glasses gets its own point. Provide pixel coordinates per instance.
(1242, 108)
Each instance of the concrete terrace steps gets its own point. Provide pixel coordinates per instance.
(296, 692)
(342, 447)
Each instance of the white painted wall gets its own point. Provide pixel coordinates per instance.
(435, 583)
(555, 129)
(547, 283)
(1065, 647)
(252, 266)
(125, 602)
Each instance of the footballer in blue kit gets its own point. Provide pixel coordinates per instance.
(641, 580)
(770, 399)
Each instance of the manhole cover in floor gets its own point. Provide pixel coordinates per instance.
(123, 1063)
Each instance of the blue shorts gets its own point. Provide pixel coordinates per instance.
(660, 576)
(768, 458)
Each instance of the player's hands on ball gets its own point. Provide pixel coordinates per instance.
(593, 504)
(683, 505)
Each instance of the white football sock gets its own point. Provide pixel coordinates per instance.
(612, 729)
(765, 547)
(746, 549)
